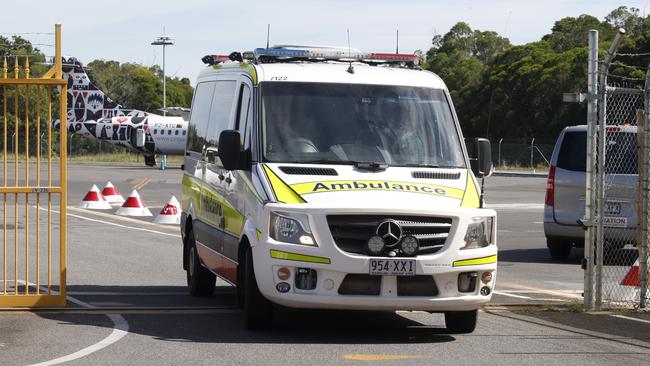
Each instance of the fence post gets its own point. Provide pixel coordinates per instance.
(532, 152)
(592, 114)
(500, 141)
(642, 244)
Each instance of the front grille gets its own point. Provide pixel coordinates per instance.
(351, 232)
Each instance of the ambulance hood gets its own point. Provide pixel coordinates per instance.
(348, 186)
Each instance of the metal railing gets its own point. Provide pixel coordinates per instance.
(35, 184)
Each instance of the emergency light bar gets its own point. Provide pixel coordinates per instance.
(328, 53)
(306, 53)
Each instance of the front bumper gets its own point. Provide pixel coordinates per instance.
(332, 265)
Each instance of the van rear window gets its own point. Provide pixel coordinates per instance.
(573, 152)
(621, 153)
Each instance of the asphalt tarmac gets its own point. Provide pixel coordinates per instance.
(128, 303)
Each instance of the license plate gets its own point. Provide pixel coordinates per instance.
(392, 267)
(613, 208)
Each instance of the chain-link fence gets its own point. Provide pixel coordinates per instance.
(516, 154)
(617, 188)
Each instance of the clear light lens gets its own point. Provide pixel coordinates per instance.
(410, 245)
(375, 245)
(291, 228)
(479, 233)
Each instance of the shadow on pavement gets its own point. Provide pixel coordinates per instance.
(222, 322)
(538, 255)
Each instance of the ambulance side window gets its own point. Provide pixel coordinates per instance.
(245, 114)
(199, 116)
(221, 110)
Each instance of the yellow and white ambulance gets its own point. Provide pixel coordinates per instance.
(329, 178)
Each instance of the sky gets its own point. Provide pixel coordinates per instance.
(123, 30)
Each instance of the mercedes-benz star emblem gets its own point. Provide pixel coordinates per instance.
(390, 231)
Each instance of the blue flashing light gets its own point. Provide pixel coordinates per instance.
(280, 52)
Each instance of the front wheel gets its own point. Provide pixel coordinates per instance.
(461, 322)
(200, 281)
(258, 310)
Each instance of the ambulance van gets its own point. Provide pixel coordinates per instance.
(328, 178)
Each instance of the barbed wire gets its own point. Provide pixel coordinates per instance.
(633, 54)
(27, 33)
(618, 63)
(625, 77)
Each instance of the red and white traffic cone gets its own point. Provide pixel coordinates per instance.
(632, 276)
(171, 213)
(133, 206)
(112, 195)
(94, 200)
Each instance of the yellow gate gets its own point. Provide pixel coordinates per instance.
(34, 190)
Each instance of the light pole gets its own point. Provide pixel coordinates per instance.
(163, 41)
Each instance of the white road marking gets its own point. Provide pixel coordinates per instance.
(516, 206)
(120, 330)
(116, 224)
(109, 293)
(631, 318)
(512, 295)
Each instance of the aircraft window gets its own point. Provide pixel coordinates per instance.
(221, 110)
(155, 132)
(169, 132)
(176, 133)
(184, 132)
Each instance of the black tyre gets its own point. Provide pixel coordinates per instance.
(200, 281)
(559, 250)
(258, 311)
(461, 322)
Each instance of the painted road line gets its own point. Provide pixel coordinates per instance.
(540, 290)
(120, 218)
(116, 224)
(512, 295)
(516, 206)
(141, 184)
(372, 357)
(630, 318)
(116, 293)
(120, 330)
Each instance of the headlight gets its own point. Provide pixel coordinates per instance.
(291, 228)
(479, 233)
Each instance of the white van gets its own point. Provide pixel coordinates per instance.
(330, 179)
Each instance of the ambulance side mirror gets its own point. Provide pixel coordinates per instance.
(480, 157)
(230, 151)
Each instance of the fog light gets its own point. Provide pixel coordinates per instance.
(283, 287)
(467, 281)
(486, 277)
(284, 273)
(306, 240)
(410, 245)
(328, 284)
(375, 245)
(485, 291)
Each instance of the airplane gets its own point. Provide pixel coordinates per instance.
(92, 114)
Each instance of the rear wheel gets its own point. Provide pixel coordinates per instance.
(560, 250)
(200, 281)
(257, 309)
(461, 322)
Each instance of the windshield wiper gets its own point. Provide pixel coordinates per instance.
(363, 165)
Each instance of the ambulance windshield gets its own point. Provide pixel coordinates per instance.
(344, 123)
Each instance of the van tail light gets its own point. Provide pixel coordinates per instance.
(550, 186)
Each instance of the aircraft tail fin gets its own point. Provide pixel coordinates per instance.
(86, 102)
